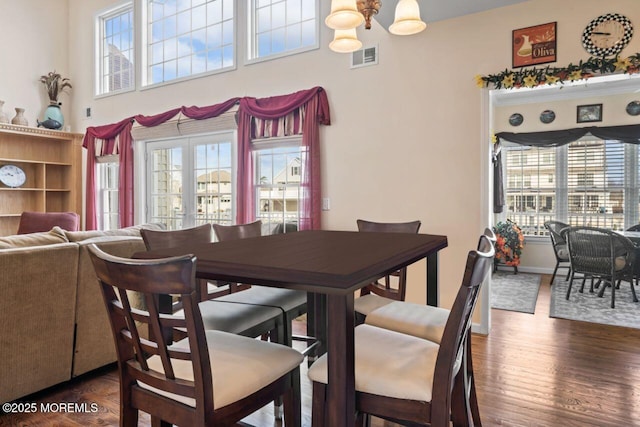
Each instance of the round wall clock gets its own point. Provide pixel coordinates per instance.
(607, 35)
(12, 176)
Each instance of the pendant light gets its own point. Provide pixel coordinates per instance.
(407, 20)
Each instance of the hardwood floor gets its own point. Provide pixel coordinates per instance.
(531, 370)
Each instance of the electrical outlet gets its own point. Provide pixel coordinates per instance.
(326, 205)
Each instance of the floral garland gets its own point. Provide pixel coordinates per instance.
(509, 243)
(532, 77)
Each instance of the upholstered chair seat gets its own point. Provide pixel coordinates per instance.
(418, 320)
(236, 371)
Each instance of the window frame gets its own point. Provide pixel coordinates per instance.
(103, 163)
(258, 145)
(251, 55)
(565, 193)
(145, 47)
(99, 35)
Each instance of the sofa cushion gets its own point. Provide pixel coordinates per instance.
(35, 222)
(77, 236)
(56, 235)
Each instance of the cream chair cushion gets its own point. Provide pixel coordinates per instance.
(388, 363)
(422, 321)
(240, 366)
(233, 317)
(369, 302)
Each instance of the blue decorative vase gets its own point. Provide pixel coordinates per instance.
(53, 118)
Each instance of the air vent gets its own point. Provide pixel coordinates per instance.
(364, 57)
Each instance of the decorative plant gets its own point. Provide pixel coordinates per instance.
(509, 243)
(55, 84)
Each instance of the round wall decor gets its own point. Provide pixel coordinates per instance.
(547, 116)
(633, 108)
(516, 119)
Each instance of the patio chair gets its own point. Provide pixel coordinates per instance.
(560, 248)
(601, 254)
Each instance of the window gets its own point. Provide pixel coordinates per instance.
(282, 27)
(590, 182)
(278, 166)
(115, 50)
(191, 180)
(107, 189)
(188, 37)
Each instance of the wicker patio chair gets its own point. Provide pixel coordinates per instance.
(601, 254)
(560, 248)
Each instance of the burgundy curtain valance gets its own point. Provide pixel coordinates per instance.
(297, 113)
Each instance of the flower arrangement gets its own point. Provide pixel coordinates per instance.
(509, 243)
(531, 77)
(55, 84)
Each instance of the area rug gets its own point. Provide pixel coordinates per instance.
(588, 307)
(514, 292)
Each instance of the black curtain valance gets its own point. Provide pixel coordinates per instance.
(555, 138)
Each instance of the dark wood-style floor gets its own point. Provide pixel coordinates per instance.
(531, 370)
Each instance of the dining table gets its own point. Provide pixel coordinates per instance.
(333, 264)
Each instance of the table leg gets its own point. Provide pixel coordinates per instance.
(433, 297)
(341, 371)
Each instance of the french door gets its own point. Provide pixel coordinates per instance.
(191, 180)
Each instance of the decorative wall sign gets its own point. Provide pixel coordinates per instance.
(534, 45)
(516, 119)
(547, 116)
(633, 108)
(589, 113)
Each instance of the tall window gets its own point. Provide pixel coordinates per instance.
(278, 166)
(590, 182)
(188, 37)
(107, 189)
(115, 68)
(191, 180)
(282, 27)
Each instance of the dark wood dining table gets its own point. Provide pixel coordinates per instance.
(331, 263)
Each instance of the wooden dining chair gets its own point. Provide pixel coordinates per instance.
(208, 378)
(424, 383)
(428, 322)
(383, 291)
(293, 303)
(161, 239)
(560, 247)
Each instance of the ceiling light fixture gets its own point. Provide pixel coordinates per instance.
(347, 15)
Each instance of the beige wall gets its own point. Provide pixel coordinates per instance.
(407, 139)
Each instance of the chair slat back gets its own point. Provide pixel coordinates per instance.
(555, 228)
(162, 239)
(151, 278)
(386, 289)
(479, 264)
(240, 231)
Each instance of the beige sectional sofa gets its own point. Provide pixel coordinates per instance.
(53, 324)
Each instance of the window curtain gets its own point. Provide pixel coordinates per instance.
(279, 116)
(105, 140)
(306, 110)
(629, 134)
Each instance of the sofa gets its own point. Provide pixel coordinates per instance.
(53, 324)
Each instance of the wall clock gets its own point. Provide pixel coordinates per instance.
(607, 35)
(12, 176)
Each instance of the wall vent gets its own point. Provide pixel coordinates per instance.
(364, 57)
